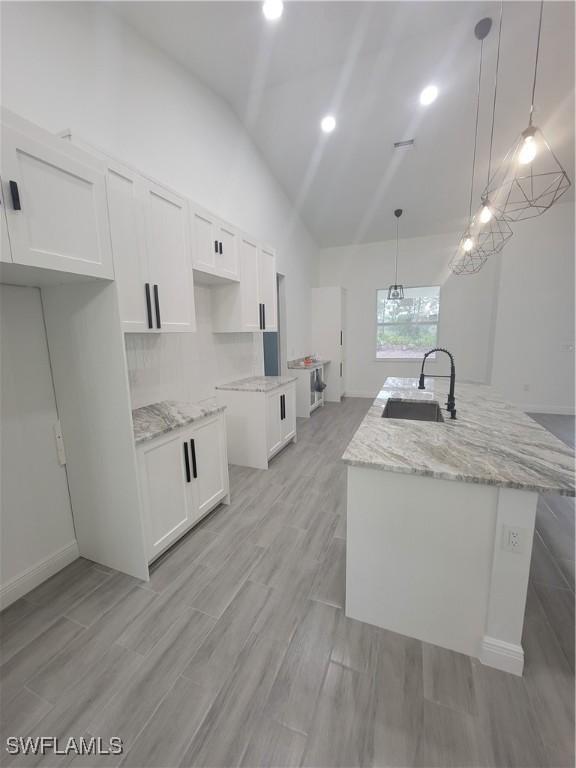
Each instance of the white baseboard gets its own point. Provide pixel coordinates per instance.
(561, 411)
(499, 654)
(20, 585)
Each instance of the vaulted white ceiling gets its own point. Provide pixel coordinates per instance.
(366, 62)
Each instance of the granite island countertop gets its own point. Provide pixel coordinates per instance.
(300, 365)
(491, 442)
(257, 383)
(157, 419)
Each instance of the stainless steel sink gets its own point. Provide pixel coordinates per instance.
(412, 409)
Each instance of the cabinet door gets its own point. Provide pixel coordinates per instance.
(268, 290)
(288, 424)
(166, 493)
(227, 258)
(5, 251)
(209, 465)
(273, 428)
(56, 211)
(250, 285)
(125, 201)
(170, 261)
(204, 239)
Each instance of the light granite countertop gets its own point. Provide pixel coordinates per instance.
(491, 442)
(257, 383)
(157, 419)
(300, 365)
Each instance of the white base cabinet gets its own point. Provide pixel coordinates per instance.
(259, 424)
(307, 398)
(183, 476)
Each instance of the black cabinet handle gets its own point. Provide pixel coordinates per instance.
(148, 305)
(260, 311)
(216, 246)
(15, 196)
(281, 408)
(263, 317)
(157, 305)
(340, 369)
(220, 247)
(194, 467)
(340, 338)
(187, 462)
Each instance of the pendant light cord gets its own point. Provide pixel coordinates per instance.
(476, 130)
(536, 61)
(397, 249)
(495, 92)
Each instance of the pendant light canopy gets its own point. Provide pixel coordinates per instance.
(530, 179)
(470, 257)
(396, 291)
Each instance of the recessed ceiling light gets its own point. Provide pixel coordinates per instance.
(272, 9)
(328, 123)
(428, 95)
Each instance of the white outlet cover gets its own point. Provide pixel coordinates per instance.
(513, 539)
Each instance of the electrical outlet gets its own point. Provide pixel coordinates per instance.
(513, 539)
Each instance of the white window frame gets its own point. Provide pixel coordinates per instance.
(432, 357)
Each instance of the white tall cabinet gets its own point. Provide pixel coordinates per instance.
(328, 334)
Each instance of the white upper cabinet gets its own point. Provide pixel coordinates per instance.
(125, 205)
(268, 290)
(55, 206)
(167, 243)
(214, 245)
(251, 305)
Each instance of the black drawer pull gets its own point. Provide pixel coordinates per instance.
(194, 467)
(15, 196)
(215, 246)
(187, 462)
(220, 247)
(148, 305)
(157, 305)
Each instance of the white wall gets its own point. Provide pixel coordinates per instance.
(467, 307)
(78, 66)
(36, 529)
(534, 343)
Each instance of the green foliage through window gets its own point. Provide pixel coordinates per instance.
(407, 328)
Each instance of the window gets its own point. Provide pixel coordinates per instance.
(407, 328)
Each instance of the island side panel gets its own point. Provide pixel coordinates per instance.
(516, 517)
(419, 556)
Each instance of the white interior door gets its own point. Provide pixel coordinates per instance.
(273, 428)
(227, 258)
(166, 492)
(56, 208)
(170, 260)
(125, 201)
(208, 463)
(268, 290)
(204, 241)
(250, 285)
(36, 524)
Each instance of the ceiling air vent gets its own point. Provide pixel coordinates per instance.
(409, 144)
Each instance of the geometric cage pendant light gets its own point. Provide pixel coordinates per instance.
(492, 232)
(530, 179)
(396, 290)
(471, 254)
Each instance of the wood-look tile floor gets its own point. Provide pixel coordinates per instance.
(237, 652)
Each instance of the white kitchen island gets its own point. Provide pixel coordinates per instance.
(440, 519)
